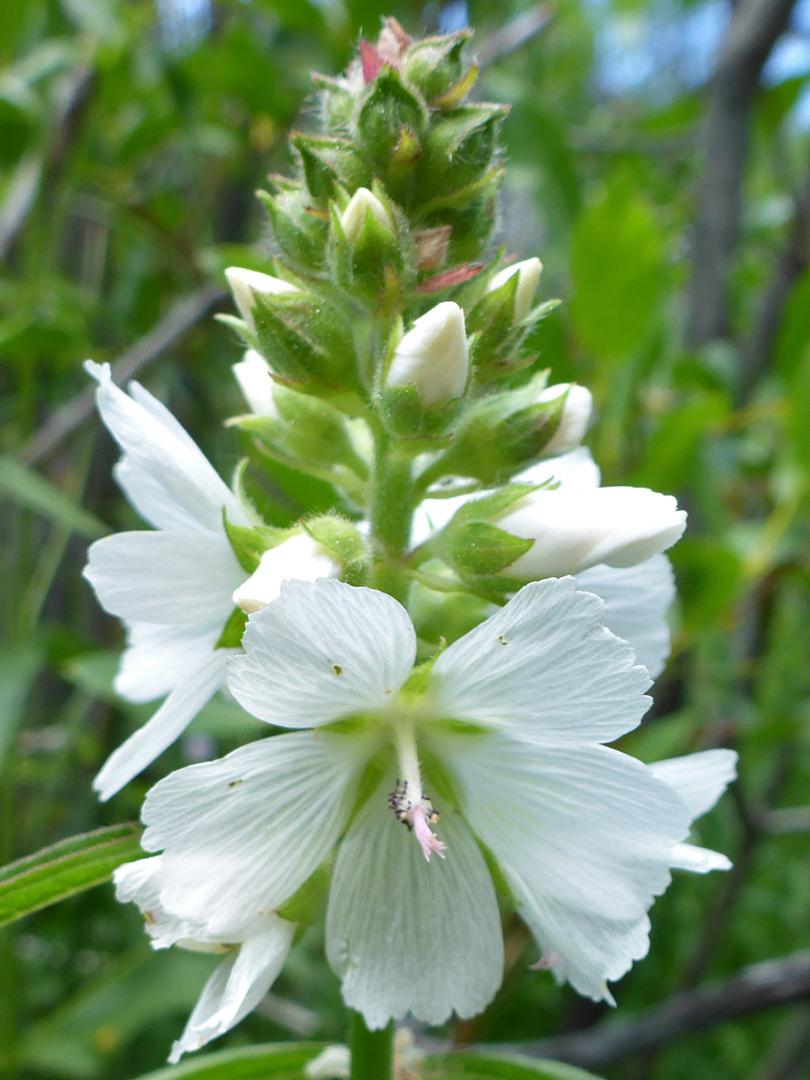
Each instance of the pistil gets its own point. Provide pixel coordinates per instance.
(408, 801)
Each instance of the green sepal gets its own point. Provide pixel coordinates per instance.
(404, 417)
(435, 65)
(299, 233)
(234, 628)
(459, 147)
(308, 338)
(339, 536)
(249, 543)
(453, 97)
(387, 107)
(482, 549)
(244, 334)
(328, 161)
(493, 505)
(306, 905)
(463, 197)
(337, 102)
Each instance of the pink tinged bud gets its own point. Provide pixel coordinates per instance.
(529, 271)
(244, 283)
(354, 215)
(433, 356)
(575, 529)
(300, 557)
(256, 383)
(574, 420)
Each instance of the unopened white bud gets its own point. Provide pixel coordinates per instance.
(529, 271)
(300, 557)
(433, 356)
(575, 529)
(256, 383)
(354, 215)
(576, 416)
(244, 283)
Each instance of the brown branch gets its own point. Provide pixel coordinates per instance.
(515, 33)
(181, 317)
(754, 29)
(761, 986)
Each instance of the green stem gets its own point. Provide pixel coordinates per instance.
(391, 514)
(372, 1051)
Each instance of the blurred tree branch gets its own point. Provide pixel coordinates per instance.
(755, 27)
(760, 986)
(180, 318)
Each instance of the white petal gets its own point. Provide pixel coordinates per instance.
(163, 577)
(321, 651)
(256, 383)
(236, 987)
(700, 779)
(638, 599)
(433, 356)
(575, 470)
(172, 461)
(239, 836)
(300, 558)
(698, 859)
(405, 935)
(584, 835)
(150, 500)
(157, 657)
(193, 690)
(544, 666)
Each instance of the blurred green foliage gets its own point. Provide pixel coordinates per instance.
(131, 142)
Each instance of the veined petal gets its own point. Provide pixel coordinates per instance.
(584, 835)
(163, 577)
(637, 600)
(405, 935)
(154, 446)
(239, 836)
(544, 666)
(157, 657)
(193, 690)
(699, 860)
(237, 986)
(700, 779)
(151, 501)
(321, 651)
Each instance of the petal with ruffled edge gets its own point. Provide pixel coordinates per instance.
(405, 935)
(637, 599)
(321, 651)
(584, 835)
(239, 836)
(236, 987)
(157, 657)
(192, 691)
(546, 667)
(163, 577)
(153, 445)
(700, 779)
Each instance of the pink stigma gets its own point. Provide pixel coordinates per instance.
(546, 962)
(427, 840)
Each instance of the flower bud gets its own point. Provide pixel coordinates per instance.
(573, 422)
(528, 273)
(433, 356)
(300, 557)
(354, 216)
(256, 383)
(575, 529)
(244, 283)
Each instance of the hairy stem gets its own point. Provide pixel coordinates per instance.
(372, 1051)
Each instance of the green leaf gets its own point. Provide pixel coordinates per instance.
(64, 869)
(481, 549)
(280, 1060)
(28, 488)
(484, 1066)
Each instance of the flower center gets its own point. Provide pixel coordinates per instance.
(410, 804)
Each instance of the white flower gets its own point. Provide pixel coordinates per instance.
(576, 416)
(353, 217)
(529, 278)
(506, 733)
(433, 356)
(299, 557)
(244, 283)
(173, 587)
(637, 598)
(255, 380)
